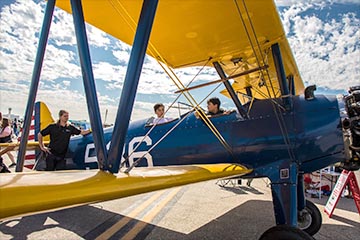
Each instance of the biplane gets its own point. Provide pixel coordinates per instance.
(280, 129)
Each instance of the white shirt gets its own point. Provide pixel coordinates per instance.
(161, 120)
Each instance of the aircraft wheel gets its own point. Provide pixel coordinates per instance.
(309, 219)
(285, 232)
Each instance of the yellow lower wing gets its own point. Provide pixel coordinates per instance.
(29, 192)
(14, 146)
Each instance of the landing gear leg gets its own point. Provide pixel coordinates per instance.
(284, 193)
(284, 188)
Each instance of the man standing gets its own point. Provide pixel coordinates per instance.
(60, 133)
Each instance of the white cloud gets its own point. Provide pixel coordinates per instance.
(62, 31)
(122, 55)
(20, 27)
(109, 72)
(327, 53)
(323, 2)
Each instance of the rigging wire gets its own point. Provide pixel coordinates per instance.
(135, 163)
(157, 121)
(277, 111)
(251, 43)
(201, 113)
(189, 98)
(173, 76)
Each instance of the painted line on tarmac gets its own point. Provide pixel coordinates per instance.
(150, 215)
(126, 219)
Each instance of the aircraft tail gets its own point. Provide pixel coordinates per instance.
(40, 119)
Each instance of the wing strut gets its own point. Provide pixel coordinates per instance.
(231, 91)
(89, 83)
(35, 83)
(130, 84)
(275, 48)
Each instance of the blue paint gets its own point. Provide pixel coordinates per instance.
(89, 83)
(130, 84)
(300, 192)
(34, 83)
(291, 85)
(313, 128)
(280, 71)
(37, 120)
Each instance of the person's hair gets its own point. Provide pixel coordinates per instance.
(61, 112)
(5, 123)
(214, 101)
(156, 106)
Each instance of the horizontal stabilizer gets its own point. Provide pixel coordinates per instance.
(29, 192)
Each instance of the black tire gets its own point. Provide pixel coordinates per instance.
(285, 232)
(310, 220)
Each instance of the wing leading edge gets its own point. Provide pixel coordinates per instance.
(29, 192)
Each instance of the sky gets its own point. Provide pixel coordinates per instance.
(323, 34)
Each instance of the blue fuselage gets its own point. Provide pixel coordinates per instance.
(310, 135)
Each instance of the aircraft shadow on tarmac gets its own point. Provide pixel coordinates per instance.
(242, 190)
(242, 222)
(234, 185)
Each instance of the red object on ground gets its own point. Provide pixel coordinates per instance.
(345, 178)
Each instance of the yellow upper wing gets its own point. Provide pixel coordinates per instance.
(188, 33)
(30, 192)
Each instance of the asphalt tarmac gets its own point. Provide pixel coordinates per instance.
(198, 211)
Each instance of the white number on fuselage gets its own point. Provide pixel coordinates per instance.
(140, 154)
(89, 158)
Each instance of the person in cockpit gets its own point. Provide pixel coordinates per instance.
(159, 110)
(213, 106)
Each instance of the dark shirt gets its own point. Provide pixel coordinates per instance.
(221, 111)
(59, 137)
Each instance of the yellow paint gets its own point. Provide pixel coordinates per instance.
(15, 145)
(150, 216)
(188, 33)
(28, 192)
(45, 119)
(125, 220)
